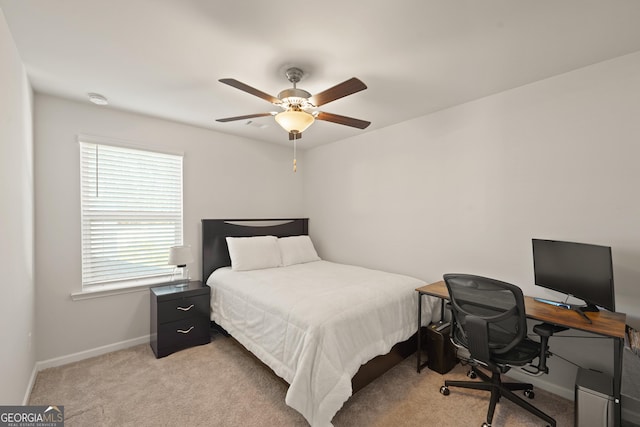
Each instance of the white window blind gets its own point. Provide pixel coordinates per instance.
(131, 213)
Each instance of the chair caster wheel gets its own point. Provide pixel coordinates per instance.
(472, 374)
(486, 425)
(529, 393)
(444, 390)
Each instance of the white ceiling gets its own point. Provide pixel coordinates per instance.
(164, 57)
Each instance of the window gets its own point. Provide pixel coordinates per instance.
(131, 214)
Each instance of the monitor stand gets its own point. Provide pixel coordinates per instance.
(589, 308)
(578, 309)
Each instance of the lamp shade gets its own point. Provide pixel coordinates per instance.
(295, 121)
(180, 255)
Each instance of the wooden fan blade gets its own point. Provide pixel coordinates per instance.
(253, 91)
(343, 120)
(248, 116)
(341, 90)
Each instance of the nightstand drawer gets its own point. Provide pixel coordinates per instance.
(182, 334)
(184, 308)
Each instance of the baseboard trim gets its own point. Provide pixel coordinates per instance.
(32, 381)
(86, 354)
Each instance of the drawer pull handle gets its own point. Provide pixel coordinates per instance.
(185, 332)
(185, 309)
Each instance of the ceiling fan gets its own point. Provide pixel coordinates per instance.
(299, 106)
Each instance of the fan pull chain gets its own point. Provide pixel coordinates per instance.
(295, 166)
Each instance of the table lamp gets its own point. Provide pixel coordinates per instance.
(180, 256)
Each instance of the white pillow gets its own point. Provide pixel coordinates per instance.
(297, 250)
(254, 253)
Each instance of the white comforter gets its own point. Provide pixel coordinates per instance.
(314, 324)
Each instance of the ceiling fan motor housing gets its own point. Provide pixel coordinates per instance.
(294, 97)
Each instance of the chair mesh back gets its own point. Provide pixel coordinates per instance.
(501, 304)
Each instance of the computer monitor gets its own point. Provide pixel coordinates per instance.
(581, 270)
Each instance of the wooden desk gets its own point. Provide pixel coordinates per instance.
(604, 323)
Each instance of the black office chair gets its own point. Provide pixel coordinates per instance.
(489, 320)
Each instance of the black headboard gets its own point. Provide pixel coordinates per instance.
(215, 253)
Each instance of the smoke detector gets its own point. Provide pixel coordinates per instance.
(98, 99)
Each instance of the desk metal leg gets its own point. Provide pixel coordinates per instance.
(419, 352)
(618, 347)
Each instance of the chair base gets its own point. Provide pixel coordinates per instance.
(500, 389)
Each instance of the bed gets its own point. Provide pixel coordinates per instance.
(327, 329)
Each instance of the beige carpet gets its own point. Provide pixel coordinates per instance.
(220, 385)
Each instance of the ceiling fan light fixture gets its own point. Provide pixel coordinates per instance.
(294, 121)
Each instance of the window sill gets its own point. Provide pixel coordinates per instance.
(99, 291)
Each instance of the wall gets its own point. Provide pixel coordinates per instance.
(17, 317)
(465, 189)
(224, 177)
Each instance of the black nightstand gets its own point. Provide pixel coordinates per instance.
(179, 316)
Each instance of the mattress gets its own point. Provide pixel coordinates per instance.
(315, 324)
